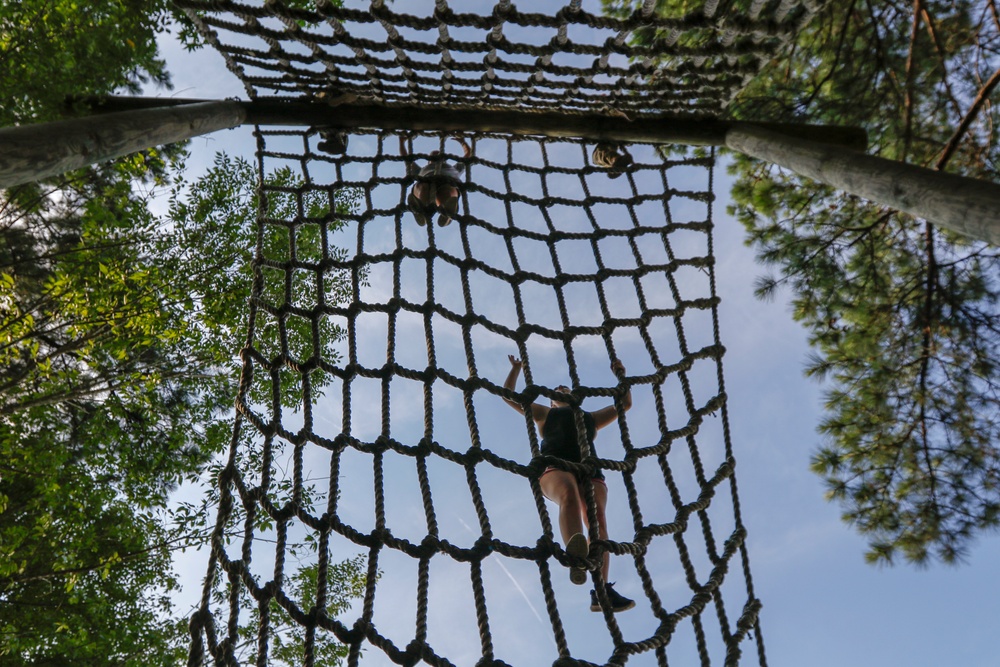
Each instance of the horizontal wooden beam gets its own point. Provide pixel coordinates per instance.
(965, 205)
(662, 129)
(33, 152)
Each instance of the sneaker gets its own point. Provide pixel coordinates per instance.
(450, 209)
(577, 547)
(417, 208)
(618, 601)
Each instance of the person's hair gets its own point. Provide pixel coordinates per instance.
(557, 388)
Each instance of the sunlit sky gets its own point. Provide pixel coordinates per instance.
(822, 604)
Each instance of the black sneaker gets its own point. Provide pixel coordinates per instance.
(417, 208)
(618, 601)
(577, 547)
(449, 211)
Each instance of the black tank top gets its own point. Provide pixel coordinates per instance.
(559, 434)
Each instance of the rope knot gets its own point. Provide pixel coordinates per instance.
(491, 662)
(381, 444)
(429, 546)
(545, 547)
(414, 651)
(423, 448)
(483, 547)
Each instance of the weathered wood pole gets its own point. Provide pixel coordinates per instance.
(33, 152)
(656, 129)
(966, 205)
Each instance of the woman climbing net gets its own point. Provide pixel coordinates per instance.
(561, 439)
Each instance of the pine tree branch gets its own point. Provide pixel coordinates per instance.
(926, 358)
(942, 59)
(945, 155)
(996, 14)
(981, 99)
(836, 59)
(880, 50)
(910, 81)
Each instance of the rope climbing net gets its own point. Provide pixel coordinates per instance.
(380, 502)
(646, 58)
(369, 363)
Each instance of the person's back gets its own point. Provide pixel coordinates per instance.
(559, 434)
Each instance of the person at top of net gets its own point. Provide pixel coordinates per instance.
(438, 184)
(557, 424)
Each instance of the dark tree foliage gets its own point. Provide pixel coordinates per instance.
(118, 362)
(219, 212)
(100, 409)
(117, 353)
(902, 316)
(53, 48)
(104, 404)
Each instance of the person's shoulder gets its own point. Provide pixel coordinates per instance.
(539, 413)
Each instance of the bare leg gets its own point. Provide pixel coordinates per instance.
(601, 499)
(618, 601)
(561, 488)
(423, 193)
(445, 193)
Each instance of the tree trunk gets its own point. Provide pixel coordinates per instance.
(964, 205)
(33, 152)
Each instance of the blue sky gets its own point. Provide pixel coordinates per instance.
(822, 604)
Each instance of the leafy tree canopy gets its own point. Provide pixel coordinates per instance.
(903, 316)
(53, 48)
(117, 349)
(118, 361)
(104, 412)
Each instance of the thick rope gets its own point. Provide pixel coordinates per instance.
(252, 498)
(569, 61)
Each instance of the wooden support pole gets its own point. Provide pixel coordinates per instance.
(964, 205)
(650, 130)
(661, 129)
(33, 152)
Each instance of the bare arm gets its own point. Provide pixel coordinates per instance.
(459, 168)
(511, 382)
(411, 165)
(605, 416)
(536, 411)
